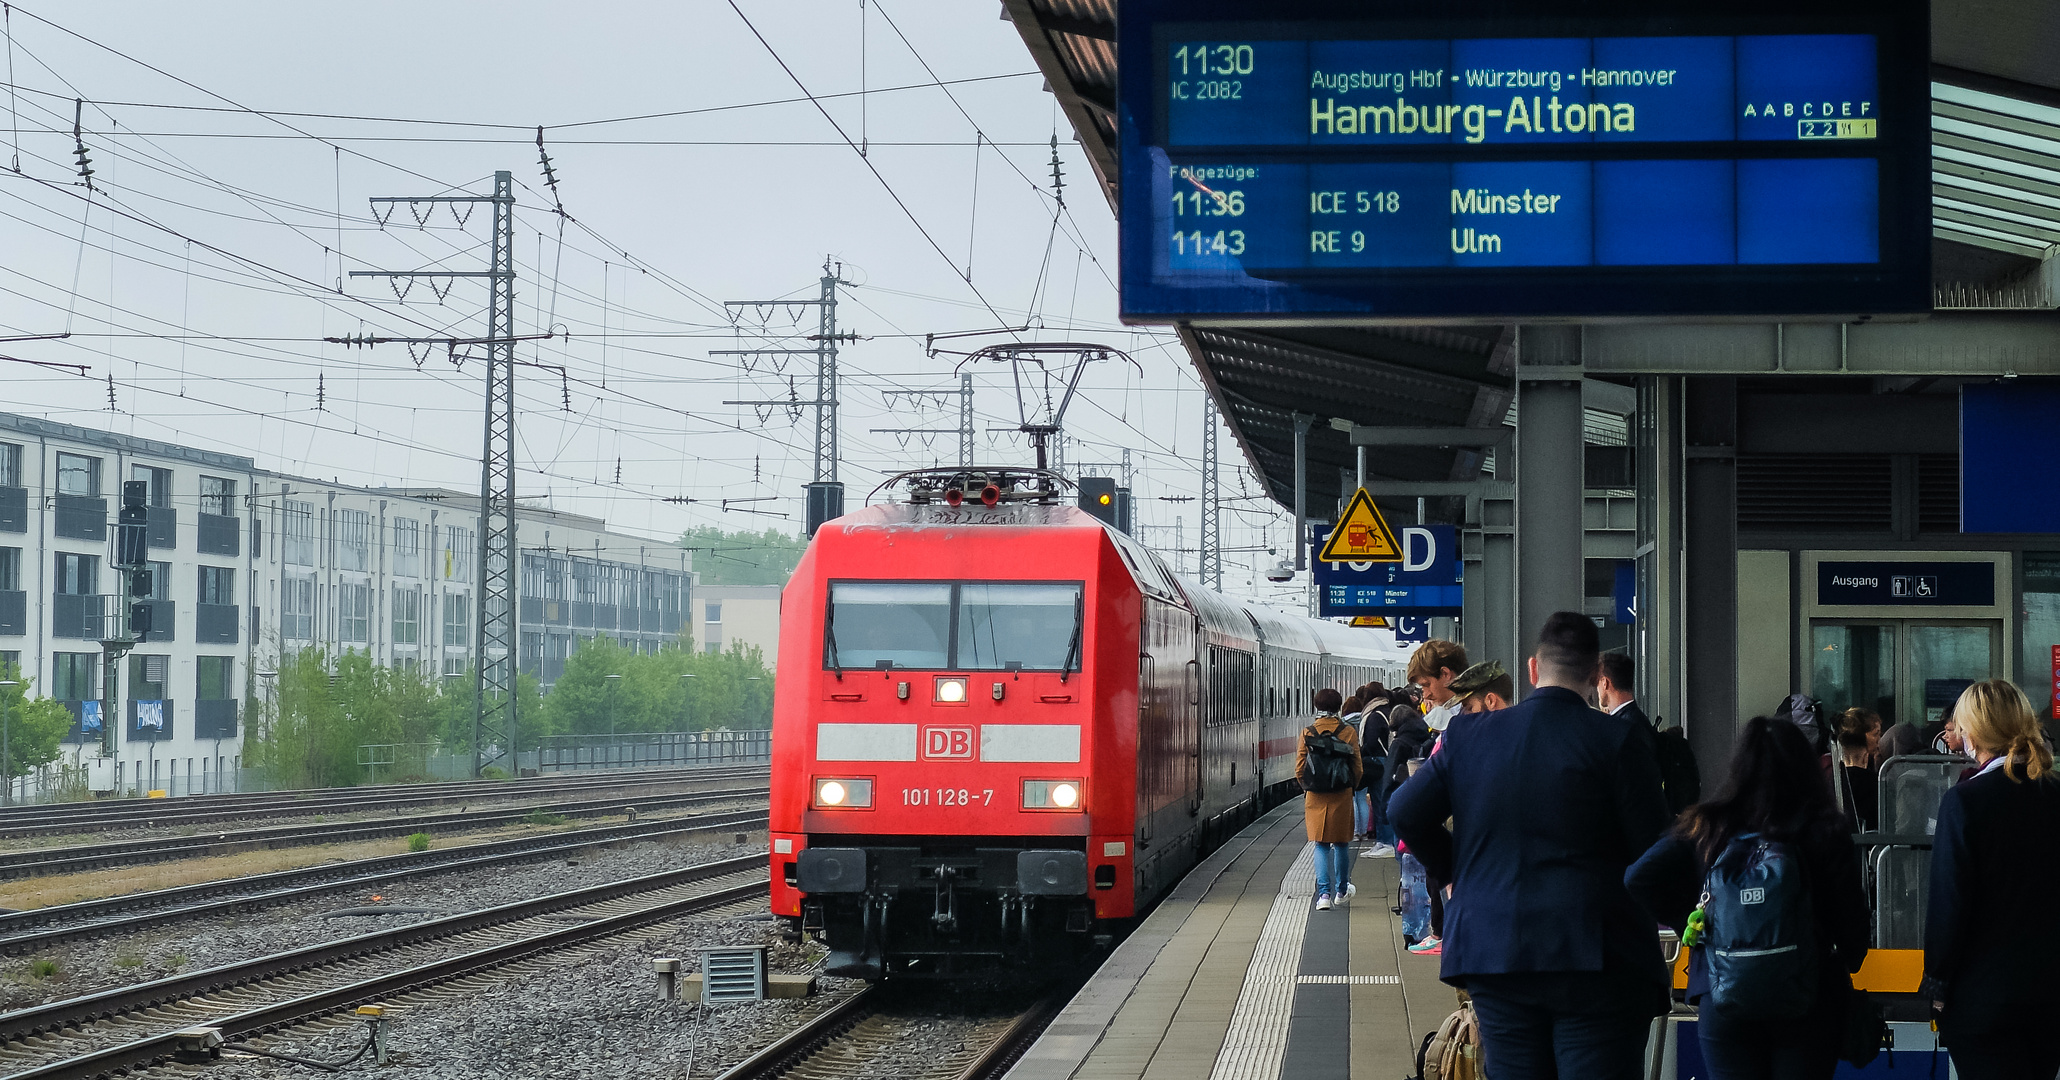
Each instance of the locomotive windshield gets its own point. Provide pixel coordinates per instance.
(971, 626)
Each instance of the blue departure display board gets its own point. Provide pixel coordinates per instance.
(1317, 164)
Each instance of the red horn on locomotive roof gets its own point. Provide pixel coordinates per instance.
(953, 496)
(990, 494)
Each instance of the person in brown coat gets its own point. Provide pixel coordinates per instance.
(1328, 765)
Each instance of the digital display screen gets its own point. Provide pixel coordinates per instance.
(1527, 166)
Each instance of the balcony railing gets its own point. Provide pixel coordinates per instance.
(79, 616)
(163, 614)
(14, 509)
(14, 613)
(157, 732)
(214, 719)
(215, 624)
(161, 527)
(220, 535)
(81, 517)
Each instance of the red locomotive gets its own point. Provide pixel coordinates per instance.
(1001, 727)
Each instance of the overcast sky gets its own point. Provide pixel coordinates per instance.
(213, 257)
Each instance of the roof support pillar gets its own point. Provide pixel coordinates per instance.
(1302, 424)
(1549, 466)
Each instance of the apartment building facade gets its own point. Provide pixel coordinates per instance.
(248, 564)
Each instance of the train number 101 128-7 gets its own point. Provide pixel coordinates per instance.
(918, 796)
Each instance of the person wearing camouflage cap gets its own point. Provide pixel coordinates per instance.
(1484, 687)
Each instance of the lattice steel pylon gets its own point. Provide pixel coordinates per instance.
(1212, 511)
(494, 730)
(493, 721)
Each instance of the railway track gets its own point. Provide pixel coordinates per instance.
(130, 1028)
(39, 928)
(121, 814)
(73, 858)
(853, 1038)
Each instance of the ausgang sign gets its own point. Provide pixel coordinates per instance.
(1920, 584)
(1558, 158)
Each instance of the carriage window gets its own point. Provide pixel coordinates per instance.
(1031, 625)
(870, 624)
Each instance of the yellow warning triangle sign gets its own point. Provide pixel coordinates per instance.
(1371, 621)
(1361, 535)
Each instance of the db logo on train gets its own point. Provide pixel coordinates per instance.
(948, 743)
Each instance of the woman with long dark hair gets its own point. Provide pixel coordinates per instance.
(1774, 792)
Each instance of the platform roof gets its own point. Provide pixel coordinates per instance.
(1996, 216)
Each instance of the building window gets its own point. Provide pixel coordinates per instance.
(78, 575)
(10, 569)
(298, 529)
(217, 585)
(453, 665)
(713, 613)
(78, 474)
(407, 616)
(583, 581)
(458, 553)
(214, 676)
(297, 608)
(10, 663)
(407, 547)
(148, 676)
(353, 607)
(72, 675)
(10, 465)
(457, 619)
(157, 484)
(217, 496)
(354, 540)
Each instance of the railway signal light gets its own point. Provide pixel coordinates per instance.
(1098, 497)
(131, 542)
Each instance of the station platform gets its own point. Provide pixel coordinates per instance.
(1236, 976)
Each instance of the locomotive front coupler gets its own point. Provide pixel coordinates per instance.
(945, 919)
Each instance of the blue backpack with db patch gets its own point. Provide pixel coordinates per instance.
(1759, 936)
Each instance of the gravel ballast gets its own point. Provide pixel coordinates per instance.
(86, 966)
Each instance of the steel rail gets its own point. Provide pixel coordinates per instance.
(22, 931)
(802, 1045)
(23, 1024)
(150, 1050)
(159, 814)
(295, 796)
(59, 860)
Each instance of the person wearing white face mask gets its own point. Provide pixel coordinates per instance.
(1432, 667)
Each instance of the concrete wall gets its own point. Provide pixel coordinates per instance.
(1765, 636)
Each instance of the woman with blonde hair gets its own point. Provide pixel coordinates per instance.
(1995, 868)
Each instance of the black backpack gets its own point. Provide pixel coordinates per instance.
(1677, 771)
(1330, 762)
(1759, 931)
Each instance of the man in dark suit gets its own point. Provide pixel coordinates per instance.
(1613, 690)
(1550, 801)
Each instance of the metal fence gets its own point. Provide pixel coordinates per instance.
(652, 750)
(1898, 857)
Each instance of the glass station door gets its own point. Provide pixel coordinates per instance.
(1908, 670)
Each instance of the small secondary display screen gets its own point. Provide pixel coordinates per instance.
(1331, 168)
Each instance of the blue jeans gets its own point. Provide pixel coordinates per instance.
(1333, 868)
(1559, 1026)
(1416, 901)
(1362, 813)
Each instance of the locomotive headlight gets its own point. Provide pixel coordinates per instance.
(1051, 795)
(843, 794)
(951, 691)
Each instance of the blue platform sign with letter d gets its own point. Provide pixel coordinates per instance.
(1426, 581)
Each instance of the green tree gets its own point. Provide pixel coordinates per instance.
(35, 726)
(674, 689)
(742, 557)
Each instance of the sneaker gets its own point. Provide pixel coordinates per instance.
(1351, 891)
(1430, 946)
(1323, 901)
(1379, 851)
(1436, 949)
